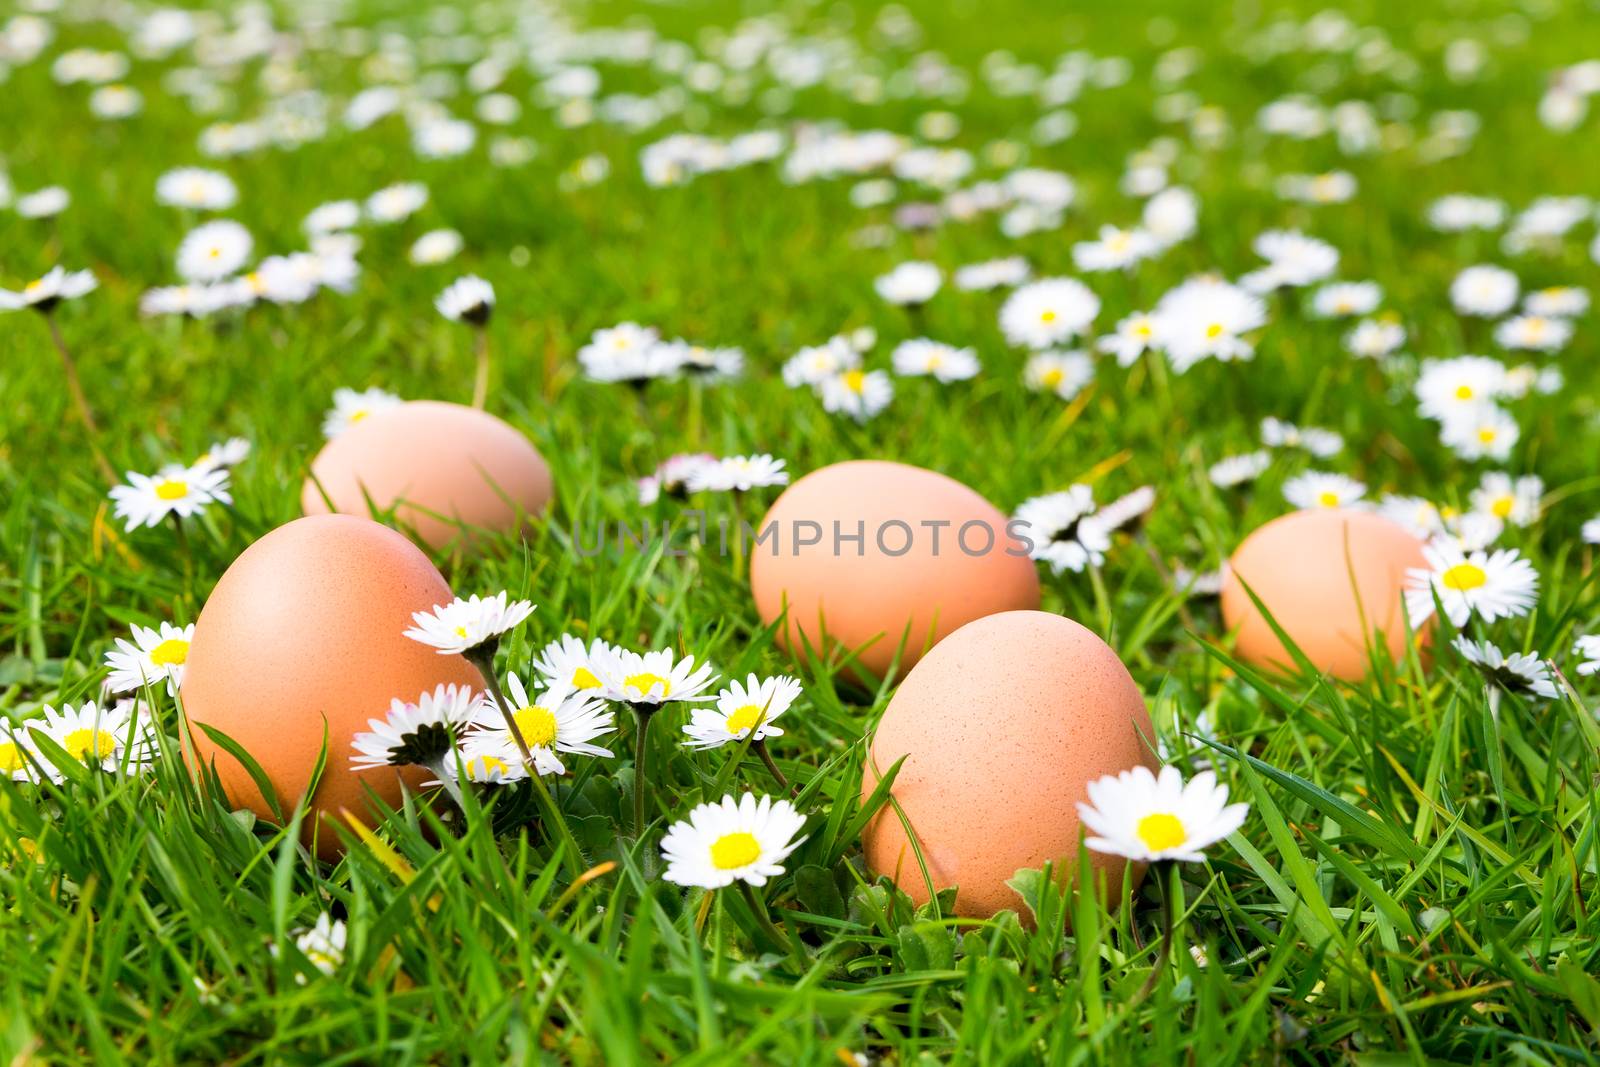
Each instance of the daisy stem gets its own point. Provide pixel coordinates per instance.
(641, 754)
(480, 382)
(760, 745)
(1161, 871)
(770, 929)
(80, 400)
(482, 658)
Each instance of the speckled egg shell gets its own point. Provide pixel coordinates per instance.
(308, 624)
(1301, 565)
(1003, 725)
(873, 596)
(437, 464)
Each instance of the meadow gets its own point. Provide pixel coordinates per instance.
(1418, 876)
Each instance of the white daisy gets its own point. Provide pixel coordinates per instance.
(1491, 585)
(626, 352)
(1486, 432)
(732, 841)
(435, 246)
(816, 364)
(1063, 529)
(1319, 489)
(152, 656)
(1345, 299)
(332, 217)
(857, 393)
(935, 359)
(19, 759)
(214, 250)
(1293, 260)
(422, 733)
(1560, 301)
(560, 720)
(1522, 673)
(468, 299)
(1275, 433)
(652, 678)
(1484, 290)
(1587, 647)
(1510, 500)
(992, 274)
(743, 707)
(350, 408)
(672, 476)
(1062, 373)
(1537, 333)
(1458, 212)
(196, 189)
(42, 203)
(396, 202)
(1450, 388)
(568, 664)
(468, 624)
(106, 738)
(1373, 338)
(910, 284)
(1114, 249)
(1236, 470)
(1207, 317)
(1171, 215)
(44, 293)
(323, 945)
(229, 453)
(1148, 818)
(175, 490)
(1422, 517)
(1135, 335)
(1048, 312)
(737, 474)
(700, 361)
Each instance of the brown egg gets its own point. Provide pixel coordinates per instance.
(438, 465)
(1003, 726)
(906, 570)
(308, 625)
(1301, 565)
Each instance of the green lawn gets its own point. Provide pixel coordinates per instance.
(1417, 881)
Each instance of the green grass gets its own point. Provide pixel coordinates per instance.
(1417, 881)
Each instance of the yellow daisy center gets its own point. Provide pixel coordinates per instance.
(172, 489)
(33, 286)
(1214, 331)
(1463, 392)
(743, 719)
(1464, 576)
(1052, 377)
(732, 851)
(537, 726)
(82, 744)
(854, 380)
(1047, 316)
(485, 765)
(173, 652)
(10, 757)
(584, 678)
(1328, 499)
(1487, 434)
(1161, 831)
(1143, 330)
(461, 631)
(645, 682)
(1502, 507)
(359, 414)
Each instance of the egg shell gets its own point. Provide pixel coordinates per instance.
(442, 464)
(873, 596)
(1301, 565)
(1003, 725)
(309, 623)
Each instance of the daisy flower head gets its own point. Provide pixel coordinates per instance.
(1064, 530)
(1047, 312)
(145, 500)
(653, 678)
(935, 359)
(1587, 648)
(743, 709)
(419, 733)
(154, 655)
(1522, 673)
(469, 625)
(559, 720)
(567, 663)
(1135, 335)
(103, 738)
(1345, 299)
(1236, 470)
(1492, 586)
(626, 352)
(435, 246)
(738, 474)
(911, 284)
(732, 841)
(1537, 333)
(1449, 388)
(1171, 215)
(1560, 301)
(44, 293)
(43, 203)
(817, 363)
(1062, 373)
(196, 189)
(213, 251)
(1320, 489)
(1208, 318)
(1421, 517)
(1458, 212)
(333, 217)
(19, 760)
(323, 945)
(700, 361)
(1114, 249)
(1149, 818)
(672, 476)
(1374, 338)
(1293, 260)
(857, 393)
(1484, 291)
(229, 453)
(1275, 433)
(351, 408)
(1486, 432)
(468, 299)
(395, 202)
(485, 762)
(1513, 500)
(992, 274)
